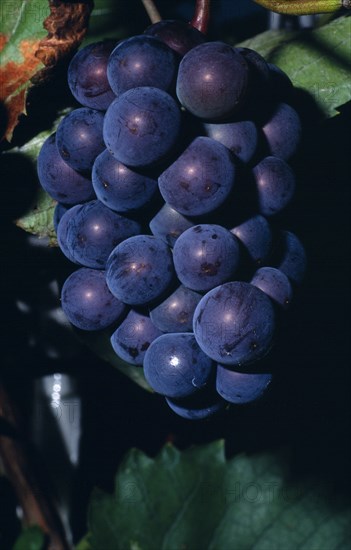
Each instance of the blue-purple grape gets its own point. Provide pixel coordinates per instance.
(175, 313)
(119, 187)
(283, 131)
(234, 323)
(241, 137)
(280, 85)
(275, 185)
(175, 366)
(79, 138)
(275, 284)
(141, 61)
(256, 236)
(142, 126)
(133, 337)
(140, 269)
(88, 233)
(199, 406)
(212, 80)
(60, 210)
(200, 179)
(205, 256)
(168, 224)
(87, 302)
(58, 179)
(294, 260)
(87, 76)
(239, 387)
(178, 35)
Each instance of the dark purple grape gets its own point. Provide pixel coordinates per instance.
(294, 260)
(87, 302)
(258, 76)
(240, 137)
(133, 337)
(256, 236)
(275, 284)
(200, 179)
(199, 406)
(79, 138)
(212, 80)
(275, 184)
(280, 85)
(283, 131)
(60, 210)
(119, 187)
(141, 61)
(168, 224)
(175, 313)
(139, 270)
(58, 179)
(88, 233)
(178, 35)
(205, 256)
(239, 387)
(142, 126)
(175, 366)
(234, 323)
(87, 76)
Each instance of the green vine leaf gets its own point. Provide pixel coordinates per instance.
(31, 538)
(197, 499)
(39, 221)
(34, 36)
(317, 61)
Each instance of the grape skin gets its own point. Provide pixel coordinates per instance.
(256, 236)
(241, 137)
(168, 224)
(139, 270)
(283, 131)
(200, 179)
(87, 78)
(275, 184)
(79, 138)
(205, 256)
(175, 313)
(133, 337)
(175, 366)
(294, 260)
(275, 284)
(118, 187)
(58, 179)
(88, 233)
(87, 302)
(238, 387)
(141, 61)
(234, 323)
(179, 36)
(212, 80)
(141, 126)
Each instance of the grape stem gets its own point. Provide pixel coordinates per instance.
(19, 469)
(201, 17)
(152, 11)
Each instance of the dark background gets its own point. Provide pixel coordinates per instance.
(307, 408)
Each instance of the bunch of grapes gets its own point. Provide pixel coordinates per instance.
(170, 180)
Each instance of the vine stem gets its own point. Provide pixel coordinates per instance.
(36, 506)
(201, 17)
(152, 11)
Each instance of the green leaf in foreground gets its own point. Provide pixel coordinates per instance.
(317, 61)
(39, 221)
(31, 538)
(197, 500)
